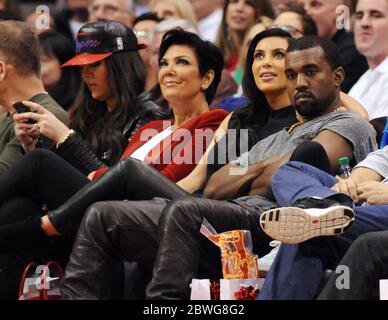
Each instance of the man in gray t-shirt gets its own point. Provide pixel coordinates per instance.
(359, 133)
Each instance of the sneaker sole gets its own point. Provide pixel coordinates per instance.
(294, 225)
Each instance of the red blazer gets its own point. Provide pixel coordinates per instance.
(177, 155)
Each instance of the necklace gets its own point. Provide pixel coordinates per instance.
(300, 122)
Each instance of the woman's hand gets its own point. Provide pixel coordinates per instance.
(26, 133)
(91, 175)
(373, 192)
(353, 105)
(47, 124)
(48, 227)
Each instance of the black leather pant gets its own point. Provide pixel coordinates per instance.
(148, 232)
(129, 179)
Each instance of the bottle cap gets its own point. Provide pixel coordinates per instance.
(343, 160)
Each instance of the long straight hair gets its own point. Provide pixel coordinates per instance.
(103, 130)
(256, 113)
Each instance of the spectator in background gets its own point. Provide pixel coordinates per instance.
(141, 6)
(296, 21)
(174, 9)
(69, 20)
(144, 27)
(33, 19)
(323, 12)
(62, 84)
(282, 5)
(118, 10)
(12, 7)
(371, 37)
(209, 15)
(238, 17)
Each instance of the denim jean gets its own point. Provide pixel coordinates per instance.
(298, 269)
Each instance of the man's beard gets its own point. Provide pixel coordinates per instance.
(312, 110)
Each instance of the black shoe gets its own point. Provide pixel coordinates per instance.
(308, 203)
(21, 236)
(309, 218)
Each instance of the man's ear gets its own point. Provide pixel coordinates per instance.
(339, 76)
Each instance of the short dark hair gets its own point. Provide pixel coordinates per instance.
(20, 46)
(147, 16)
(309, 25)
(208, 55)
(330, 51)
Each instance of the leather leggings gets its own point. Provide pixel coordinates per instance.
(129, 179)
(152, 232)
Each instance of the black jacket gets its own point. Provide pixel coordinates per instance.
(76, 151)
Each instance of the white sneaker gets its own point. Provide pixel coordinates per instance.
(295, 225)
(266, 261)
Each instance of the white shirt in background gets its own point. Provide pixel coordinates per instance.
(371, 90)
(208, 27)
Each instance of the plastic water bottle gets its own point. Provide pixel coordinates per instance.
(344, 168)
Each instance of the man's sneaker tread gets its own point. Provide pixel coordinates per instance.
(294, 225)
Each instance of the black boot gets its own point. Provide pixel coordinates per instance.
(21, 236)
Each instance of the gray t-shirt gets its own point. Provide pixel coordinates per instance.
(349, 125)
(377, 161)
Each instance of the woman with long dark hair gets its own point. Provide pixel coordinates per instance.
(109, 108)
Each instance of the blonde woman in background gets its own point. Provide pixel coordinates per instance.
(174, 9)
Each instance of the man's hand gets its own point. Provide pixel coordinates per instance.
(348, 186)
(228, 183)
(373, 192)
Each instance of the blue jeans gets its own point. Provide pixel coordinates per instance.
(298, 269)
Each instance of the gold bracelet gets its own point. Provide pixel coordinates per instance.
(71, 131)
